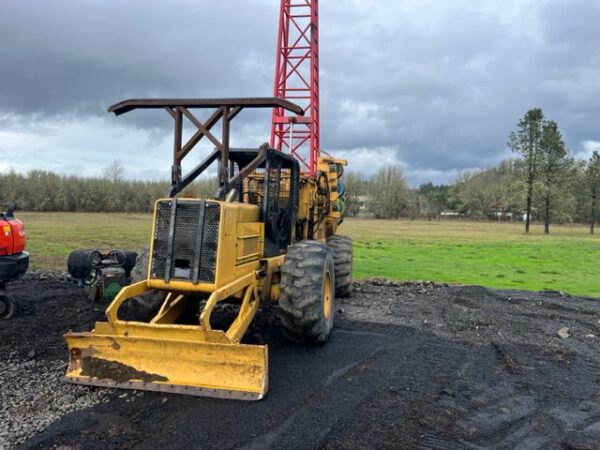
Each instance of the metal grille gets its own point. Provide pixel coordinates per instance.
(280, 186)
(250, 246)
(280, 180)
(185, 240)
(253, 187)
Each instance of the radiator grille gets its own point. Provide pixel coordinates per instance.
(250, 246)
(185, 240)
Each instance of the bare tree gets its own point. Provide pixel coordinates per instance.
(114, 171)
(355, 186)
(388, 193)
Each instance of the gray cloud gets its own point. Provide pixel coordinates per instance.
(436, 87)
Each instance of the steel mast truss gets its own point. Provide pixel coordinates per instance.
(297, 80)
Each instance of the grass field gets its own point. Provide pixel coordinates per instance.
(490, 254)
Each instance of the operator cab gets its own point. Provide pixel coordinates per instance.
(278, 202)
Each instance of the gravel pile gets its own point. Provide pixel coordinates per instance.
(33, 395)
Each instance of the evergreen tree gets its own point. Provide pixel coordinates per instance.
(554, 162)
(592, 175)
(526, 141)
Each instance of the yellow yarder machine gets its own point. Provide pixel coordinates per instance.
(268, 235)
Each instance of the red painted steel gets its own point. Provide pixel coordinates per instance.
(12, 236)
(297, 79)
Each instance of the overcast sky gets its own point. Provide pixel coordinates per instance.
(435, 86)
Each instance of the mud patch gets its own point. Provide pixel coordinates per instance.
(115, 371)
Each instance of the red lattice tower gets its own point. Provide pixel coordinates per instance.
(297, 79)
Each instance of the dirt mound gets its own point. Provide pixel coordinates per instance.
(48, 307)
(409, 365)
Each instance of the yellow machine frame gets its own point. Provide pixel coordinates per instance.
(196, 359)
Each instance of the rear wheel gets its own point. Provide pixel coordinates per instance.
(7, 306)
(307, 300)
(341, 248)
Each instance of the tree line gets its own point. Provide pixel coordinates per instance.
(40, 190)
(544, 183)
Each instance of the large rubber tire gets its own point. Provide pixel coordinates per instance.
(142, 308)
(81, 262)
(341, 248)
(8, 306)
(126, 258)
(307, 297)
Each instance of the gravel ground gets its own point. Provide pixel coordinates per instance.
(32, 356)
(33, 395)
(409, 365)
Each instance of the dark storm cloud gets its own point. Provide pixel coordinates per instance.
(435, 86)
(78, 57)
(451, 81)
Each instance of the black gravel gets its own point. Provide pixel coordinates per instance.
(409, 365)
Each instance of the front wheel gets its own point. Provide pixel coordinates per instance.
(7, 306)
(307, 300)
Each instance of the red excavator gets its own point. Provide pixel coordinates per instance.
(14, 260)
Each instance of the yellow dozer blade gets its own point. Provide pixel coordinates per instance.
(208, 369)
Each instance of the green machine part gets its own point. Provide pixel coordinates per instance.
(113, 279)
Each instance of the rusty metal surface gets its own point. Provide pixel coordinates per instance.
(243, 102)
(166, 387)
(248, 168)
(226, 109)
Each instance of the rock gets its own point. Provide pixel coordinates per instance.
(341, 310)
(33, 396)
(564, 332)
(590, 336)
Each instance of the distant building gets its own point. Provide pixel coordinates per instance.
(503, 215)
(522, 217)
(451, 214)
(362, 201)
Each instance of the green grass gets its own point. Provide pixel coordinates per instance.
(490, 254)
(52, 236)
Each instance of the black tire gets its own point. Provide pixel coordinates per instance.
(307, 299)
(341, 248)
(8, 307)
(81, 262)
(142, 308)
(126, 258)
